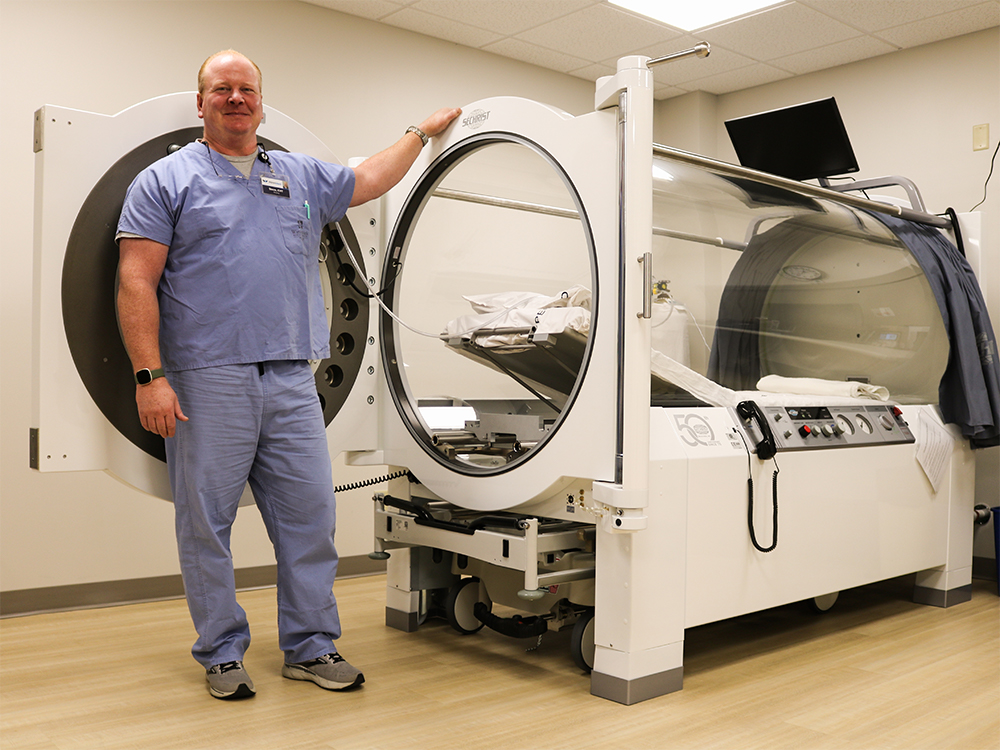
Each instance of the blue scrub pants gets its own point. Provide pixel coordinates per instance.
(262, 424)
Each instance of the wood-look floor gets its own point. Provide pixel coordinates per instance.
(876, 672)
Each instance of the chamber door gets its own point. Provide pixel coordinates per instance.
(84, 408)
(500, 320)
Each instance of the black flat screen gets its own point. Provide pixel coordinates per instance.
(802, 142)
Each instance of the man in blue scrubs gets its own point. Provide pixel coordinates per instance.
(221, 306)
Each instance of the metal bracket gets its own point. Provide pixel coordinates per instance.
(39, 128)
(916, 201)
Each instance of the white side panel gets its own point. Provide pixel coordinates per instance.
(641, 575)
(846, 517)
(356, 425)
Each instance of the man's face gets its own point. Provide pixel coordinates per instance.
(230, 104)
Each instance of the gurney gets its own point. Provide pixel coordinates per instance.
(546, 356)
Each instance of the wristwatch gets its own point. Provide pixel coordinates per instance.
(146, 376)
(420, 133)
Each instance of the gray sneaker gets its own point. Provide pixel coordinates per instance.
(229, 680)
(330, 672)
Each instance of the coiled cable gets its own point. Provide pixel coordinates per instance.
(375, 480)
(774, 501)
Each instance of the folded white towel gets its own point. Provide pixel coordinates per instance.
(819, 387)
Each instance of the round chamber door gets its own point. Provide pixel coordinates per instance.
(88, 299)
(488, 290)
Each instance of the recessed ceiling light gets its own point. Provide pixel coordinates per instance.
(696, 14)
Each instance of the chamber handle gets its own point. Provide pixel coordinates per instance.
(646, 259)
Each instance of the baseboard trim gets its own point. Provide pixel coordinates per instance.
(940, 597)
(23, 602)
(629, 692)
(113, 593)
(408, 622)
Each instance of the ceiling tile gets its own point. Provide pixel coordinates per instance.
(585, 38)
(441, 28)
(532, 53)
(374, 9)
(594, 71)
(956, 23)
(875, 15)
(832, 55)
(779, 32)
(506, 17)
(598, 32)
(736, 80)
(668, 92)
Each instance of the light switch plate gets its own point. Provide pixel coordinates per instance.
(980, 137)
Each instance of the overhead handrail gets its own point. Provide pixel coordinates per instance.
(569, 213)
(493, 200)
(813, 191)
(912, 193)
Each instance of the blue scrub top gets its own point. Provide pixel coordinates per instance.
(242, 278)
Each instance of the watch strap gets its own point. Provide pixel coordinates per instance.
(146, 376)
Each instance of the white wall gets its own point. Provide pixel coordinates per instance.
(356, 85)
(908, 113)
(353, 83)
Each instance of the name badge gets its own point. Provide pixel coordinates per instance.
(274, 185)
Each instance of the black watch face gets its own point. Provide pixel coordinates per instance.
(144, 377)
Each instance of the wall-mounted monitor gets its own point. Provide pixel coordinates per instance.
(801, 142)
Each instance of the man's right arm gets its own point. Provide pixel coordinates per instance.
(378, 174)
(140, 266)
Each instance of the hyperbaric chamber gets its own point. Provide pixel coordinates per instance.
(499, 281)
(493, 245)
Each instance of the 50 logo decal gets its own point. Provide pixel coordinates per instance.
(695, 430)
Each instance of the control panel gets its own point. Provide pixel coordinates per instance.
(807, 427)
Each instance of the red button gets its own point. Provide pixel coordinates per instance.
(804, 430)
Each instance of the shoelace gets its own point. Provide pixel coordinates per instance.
(325, 659)
(230, 666)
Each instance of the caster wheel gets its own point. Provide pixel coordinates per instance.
(581, 643)
(823, 604)
(460, 604)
